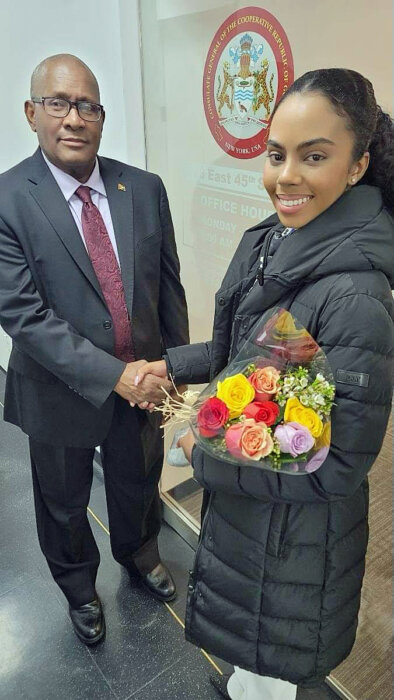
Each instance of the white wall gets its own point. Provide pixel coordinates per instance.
(31, 31)
(104, 34)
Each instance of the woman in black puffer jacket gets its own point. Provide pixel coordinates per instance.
(276, 584)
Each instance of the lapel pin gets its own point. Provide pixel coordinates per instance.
(121, 187)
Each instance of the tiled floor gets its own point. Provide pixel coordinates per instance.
(144, 654)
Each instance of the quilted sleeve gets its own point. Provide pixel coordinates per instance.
(190, 364)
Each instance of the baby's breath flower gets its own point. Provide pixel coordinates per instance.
(317, 394)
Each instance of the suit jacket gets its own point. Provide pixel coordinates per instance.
(62, 370)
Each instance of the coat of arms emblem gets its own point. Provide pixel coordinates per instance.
(245, 74)
(243, 92)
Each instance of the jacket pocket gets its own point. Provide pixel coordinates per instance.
(277, 529)
(153, 238)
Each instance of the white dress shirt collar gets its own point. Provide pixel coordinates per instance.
(68, 184)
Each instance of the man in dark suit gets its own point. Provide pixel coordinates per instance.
(89, 284)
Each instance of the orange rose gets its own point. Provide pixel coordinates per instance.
(265, 383)
(256, 442)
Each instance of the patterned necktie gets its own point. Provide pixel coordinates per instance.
(105, 264)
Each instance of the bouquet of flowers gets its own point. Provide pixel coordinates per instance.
(270, 407)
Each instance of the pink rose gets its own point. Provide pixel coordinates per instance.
(294, 438)
(249, 439)
(233, 439)
(264, 380)
(256, 442)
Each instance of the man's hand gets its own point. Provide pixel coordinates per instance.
(125, 386)
(147, 391)
(158, 369)
(150, 391)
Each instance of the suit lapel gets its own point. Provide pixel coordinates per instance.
(120, 200)
(50, 199)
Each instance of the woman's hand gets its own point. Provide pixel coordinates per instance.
(157, 368)
(187, 443)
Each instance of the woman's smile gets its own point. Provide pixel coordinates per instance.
(291, 204)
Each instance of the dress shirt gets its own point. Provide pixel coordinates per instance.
(68, 185)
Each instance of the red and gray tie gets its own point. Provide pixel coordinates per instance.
(105, 264)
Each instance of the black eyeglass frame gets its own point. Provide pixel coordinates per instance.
(41, 100)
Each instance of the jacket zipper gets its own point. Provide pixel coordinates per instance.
(264, 258)
(260, 279)
(236, 325)
(192, 572)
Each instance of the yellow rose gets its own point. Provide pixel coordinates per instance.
(285, 323)
(325, 438)
(236, 392)
(285, 326)
(295, 411)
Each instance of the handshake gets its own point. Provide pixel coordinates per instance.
(142, 383)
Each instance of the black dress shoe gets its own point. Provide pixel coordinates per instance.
(88, 621)
(159, 583)
(220, 683)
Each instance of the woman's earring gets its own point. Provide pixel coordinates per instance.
(353, 180)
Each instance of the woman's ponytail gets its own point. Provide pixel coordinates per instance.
(380, 171)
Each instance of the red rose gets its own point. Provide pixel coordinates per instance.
(301, 349)
(262, 411)
(211, 417)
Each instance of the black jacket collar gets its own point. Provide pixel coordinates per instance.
(356, 233)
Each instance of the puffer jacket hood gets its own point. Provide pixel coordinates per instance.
(335, 242)
(366, 242)
(355, 234)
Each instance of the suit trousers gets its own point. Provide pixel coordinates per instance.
(62, 479)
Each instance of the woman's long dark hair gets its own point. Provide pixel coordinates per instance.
(353, 98)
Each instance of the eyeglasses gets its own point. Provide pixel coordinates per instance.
(60, 107)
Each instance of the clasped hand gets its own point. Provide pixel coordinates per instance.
(144, 387)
